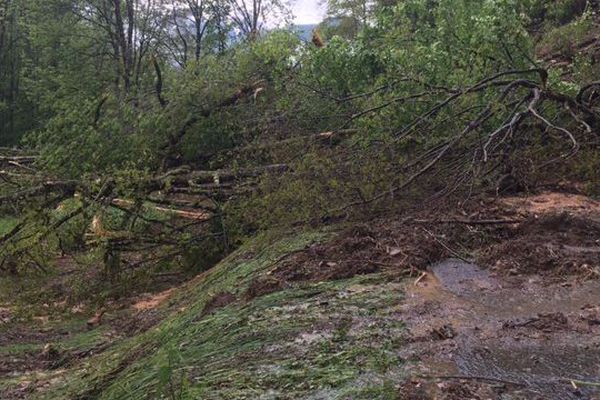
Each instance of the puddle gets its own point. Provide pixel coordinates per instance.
(507, 329)
(460, 277)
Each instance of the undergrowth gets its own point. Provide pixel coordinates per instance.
(318, 339)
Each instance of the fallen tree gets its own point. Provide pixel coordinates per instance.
(511, 102)
(497, 114)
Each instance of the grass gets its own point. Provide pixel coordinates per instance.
(313, 340)
(7, 222)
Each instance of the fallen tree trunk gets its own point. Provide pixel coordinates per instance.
(325, 138)
(63, 188)
(187, 214)
(186, 177)
(174, 140)
(18, 159)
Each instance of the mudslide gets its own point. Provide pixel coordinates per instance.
(476, 335)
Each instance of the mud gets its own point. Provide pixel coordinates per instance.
(517, 337)
(150, 302)
(219, 300)
(556, 235)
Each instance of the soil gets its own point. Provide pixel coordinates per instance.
(503, 299)
(553, 234)
(150, 302)
(516, 337)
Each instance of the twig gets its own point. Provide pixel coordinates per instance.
(453, 252)
(470, 222)
(472, 377)
(420, 278)
(581, 383)
(534, 112)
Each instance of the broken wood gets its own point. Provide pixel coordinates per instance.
(244, 91)
(188, 214)
(470, 222)
(473, 377)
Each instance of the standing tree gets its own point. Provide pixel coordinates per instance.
(251, 17)
(192, 21)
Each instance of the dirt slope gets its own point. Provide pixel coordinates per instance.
(374, 311)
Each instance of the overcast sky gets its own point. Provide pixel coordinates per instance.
(308, 11)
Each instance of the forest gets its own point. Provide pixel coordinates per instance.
(205, 199)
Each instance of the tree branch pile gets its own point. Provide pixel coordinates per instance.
(514, 106)
(182, 207)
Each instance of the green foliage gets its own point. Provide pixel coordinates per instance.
(556, 12)
(587, 168)
(264, 345)
(563, 40)
(318, 187)
(7, 222)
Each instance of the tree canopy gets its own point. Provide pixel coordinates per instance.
(218, 106)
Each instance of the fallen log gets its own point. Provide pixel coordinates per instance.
(187, 214)
(186, 177)
(244, 91)
(18, 159)
(65, 188)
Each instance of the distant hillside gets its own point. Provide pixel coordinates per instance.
(304, 31)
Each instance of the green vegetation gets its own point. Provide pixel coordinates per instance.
(146, 142)
(136, 114)
(309, 339)
(7, 223)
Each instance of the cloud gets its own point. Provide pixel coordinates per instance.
(308, 11)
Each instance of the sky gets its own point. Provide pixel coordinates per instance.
(308, 11)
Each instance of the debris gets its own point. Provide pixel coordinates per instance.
(96, 320)
(443, 333)
(394, 251)
(420, 278)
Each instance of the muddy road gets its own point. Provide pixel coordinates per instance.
(508, 337)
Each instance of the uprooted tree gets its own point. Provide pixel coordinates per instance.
(512, 108)
(149, 150)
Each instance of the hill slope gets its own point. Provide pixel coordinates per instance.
(350, 315)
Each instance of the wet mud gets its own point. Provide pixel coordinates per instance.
(506, 337)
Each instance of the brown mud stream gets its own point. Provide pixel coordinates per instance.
(511, 338)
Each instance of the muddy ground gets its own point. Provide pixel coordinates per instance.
(501, 301)
(504, 299)
(517, 336)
